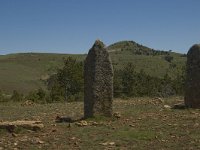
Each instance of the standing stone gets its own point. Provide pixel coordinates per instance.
(98, 82)
(192, 89)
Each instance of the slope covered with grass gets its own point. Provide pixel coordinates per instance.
(153, 62)
(28, 71)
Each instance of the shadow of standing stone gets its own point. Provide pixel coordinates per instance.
(192, 89)
(98, 82)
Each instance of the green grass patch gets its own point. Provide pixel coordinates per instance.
(132, 134)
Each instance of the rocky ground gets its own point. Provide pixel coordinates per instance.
(139, 123)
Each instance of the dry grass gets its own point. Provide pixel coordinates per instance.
(144, 124)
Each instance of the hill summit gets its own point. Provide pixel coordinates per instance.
(135, 48)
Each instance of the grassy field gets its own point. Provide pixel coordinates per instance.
(152, 65)
(27, 72)
(144, 124)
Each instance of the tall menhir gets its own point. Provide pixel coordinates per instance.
(98, 82)
(192, 88)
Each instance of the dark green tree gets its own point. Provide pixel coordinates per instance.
(56, 92)
(129, 80)
(117, 83)
(67, 83)
(179, 81)
(167, 88)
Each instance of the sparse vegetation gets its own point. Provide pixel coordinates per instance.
(27, 72)
(144, 124)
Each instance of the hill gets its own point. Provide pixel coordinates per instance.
(28, 71)
(153, 62)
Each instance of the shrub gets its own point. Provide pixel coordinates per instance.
(38, 96)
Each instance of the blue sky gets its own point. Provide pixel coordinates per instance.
(71, 26)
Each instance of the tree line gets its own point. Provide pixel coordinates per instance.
(67, 84)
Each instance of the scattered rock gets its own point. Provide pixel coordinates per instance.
(37, 141)
(82, 123)
(72, 138)
(87, 123)
(14, 135)
(27, 103)
(15, 144)
(179, 106)
(117, 115)
(131, 125)
(60, 119)
(173, 136)
(159, 99)
(41, 142)
(107, 143)
(94, 123)
(30, 125)
(167, 106)
(104, 144)
(111, 143)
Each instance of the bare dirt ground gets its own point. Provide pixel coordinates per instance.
(139, 123)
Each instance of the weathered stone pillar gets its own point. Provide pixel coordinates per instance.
(192, 88)
(98, 82)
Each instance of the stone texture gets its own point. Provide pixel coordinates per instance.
(192, 89)
(98, 82)
(31, 125)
